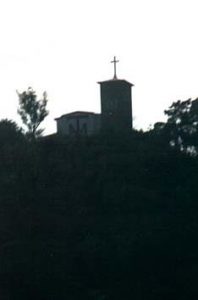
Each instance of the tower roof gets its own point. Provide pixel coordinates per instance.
(116, 80)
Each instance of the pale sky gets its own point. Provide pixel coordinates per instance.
(65, 47)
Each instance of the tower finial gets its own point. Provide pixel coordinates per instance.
(114, 61)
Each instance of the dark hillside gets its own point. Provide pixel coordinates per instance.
(98, 218)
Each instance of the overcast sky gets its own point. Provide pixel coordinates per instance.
(65, 47)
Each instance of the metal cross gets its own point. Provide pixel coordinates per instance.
(114, 61)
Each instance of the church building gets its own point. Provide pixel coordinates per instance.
(116, 111)
(79, 123)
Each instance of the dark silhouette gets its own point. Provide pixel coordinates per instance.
(181, 128)
(99, 214)
(100, 217)
(116, 111)
(114, 61)
(10, 132)
(116, 106)
(32, 111)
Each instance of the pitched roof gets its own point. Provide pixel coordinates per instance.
(78, 114)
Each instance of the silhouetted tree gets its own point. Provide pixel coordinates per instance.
(12, 154)
(10, 132)
(32, 111)
(182, 124)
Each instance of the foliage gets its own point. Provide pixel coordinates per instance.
(32, 111)
(182, 124)
(98, 218)
(9, 131)
(12, 156)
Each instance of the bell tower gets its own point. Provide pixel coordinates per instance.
(116, 104)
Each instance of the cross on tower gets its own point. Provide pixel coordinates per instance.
(114, 61)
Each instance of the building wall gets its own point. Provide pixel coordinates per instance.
(78, 124)
(116, 105)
